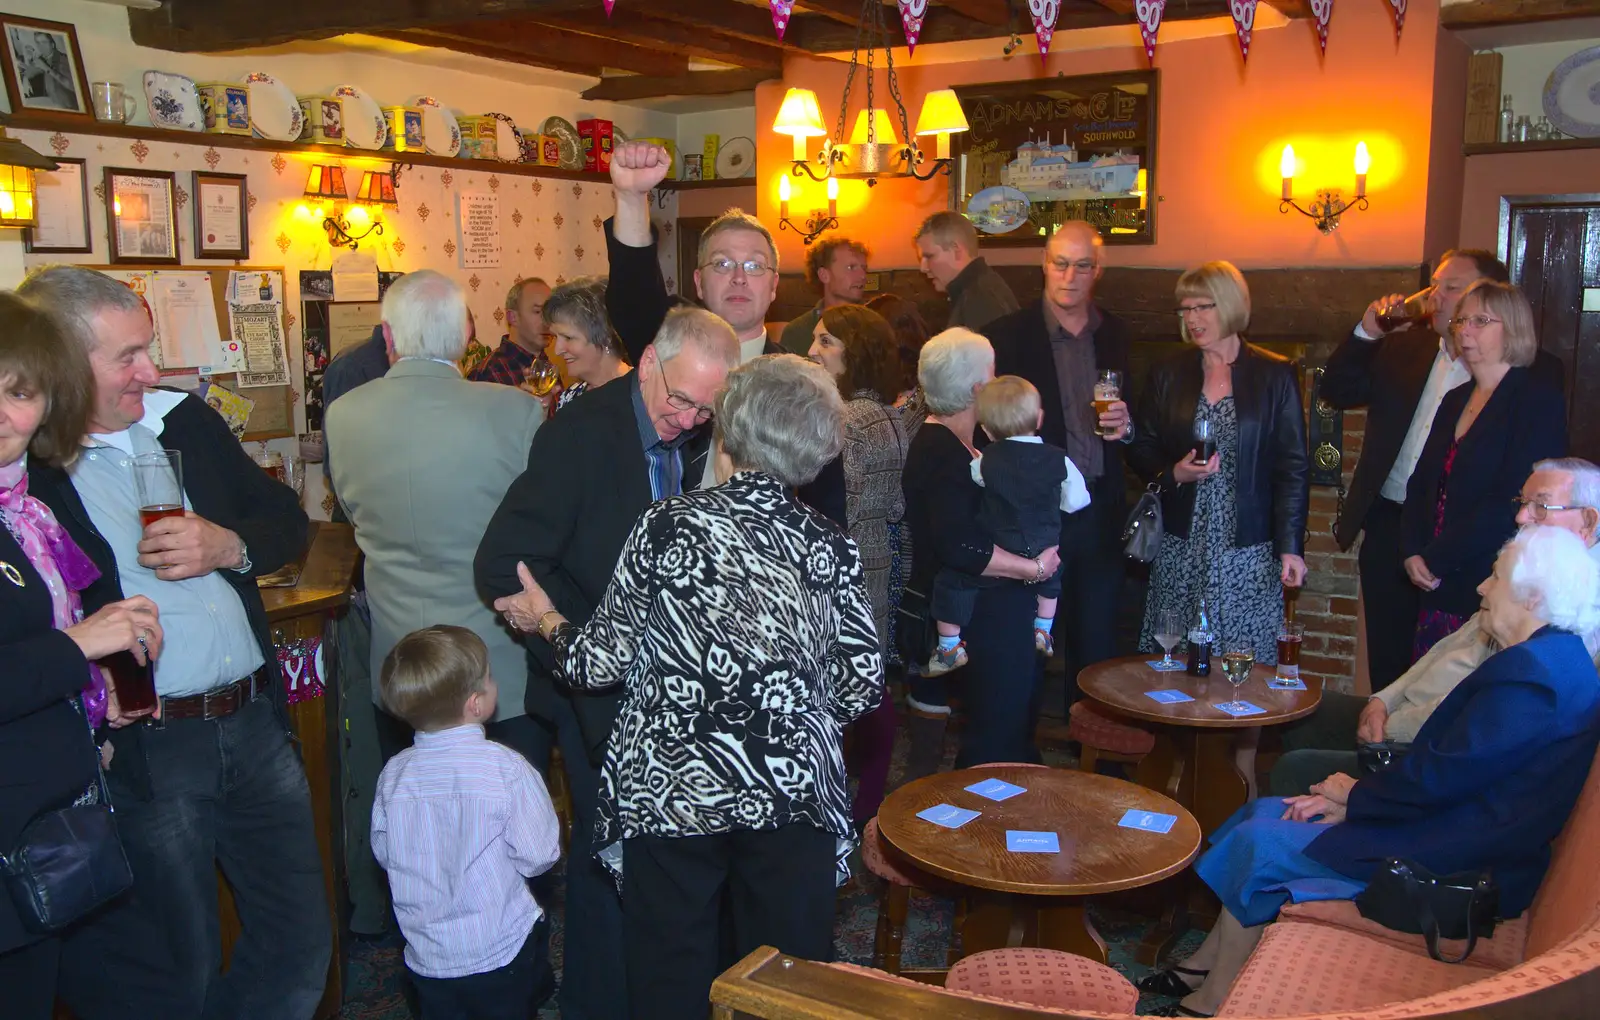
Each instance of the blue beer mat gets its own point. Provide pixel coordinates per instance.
(1279, 683)
(1149, 821)
(996, 789)
(1162, 667)
(1024, 842)
(1168, 697)
(1239, 708)
(947, 815)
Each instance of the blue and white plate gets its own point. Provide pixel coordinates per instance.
(1572, 94)
(173, 101)
(998, 210)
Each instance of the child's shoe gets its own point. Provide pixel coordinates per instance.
(1043, 642)
(947, 659)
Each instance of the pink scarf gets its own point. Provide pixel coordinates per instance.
(65, 568)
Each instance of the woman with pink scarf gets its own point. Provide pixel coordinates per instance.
(54, 702)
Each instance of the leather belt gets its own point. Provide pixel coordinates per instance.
(217, 702)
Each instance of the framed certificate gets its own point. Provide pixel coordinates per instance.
(61, 198)
(221, 216)
(142, 216)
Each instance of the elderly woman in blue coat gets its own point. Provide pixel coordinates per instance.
(1488, 783)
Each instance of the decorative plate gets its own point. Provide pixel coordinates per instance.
(567, 135)
(507, 139)
(275, 112)
(441, 135)
(173, 101)
(736, 158)
(364, 123)
(998, 210)
(1572, 94)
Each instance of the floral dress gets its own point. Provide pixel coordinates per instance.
(1243, 587)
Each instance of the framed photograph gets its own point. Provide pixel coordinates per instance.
(43, 68)
(221, 216)
(1049, 150)
(61, 199)
(142, 216)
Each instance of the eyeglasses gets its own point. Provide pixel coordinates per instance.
(1191, 309)
(722, 267)
(1082, 265)
(678, 402)
(1476, 321)
(1542, 510)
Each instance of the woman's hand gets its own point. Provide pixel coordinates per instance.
(1190, 470)
(1313, 808)
(1369, 728)
(1294, 570)
(524, 609)
(1049, 562)
(131, 625)
(1336, 788)
(1421, 576)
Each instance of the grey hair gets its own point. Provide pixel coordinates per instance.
(514, 295)
(1549, 571)
(74, 296)
(426, 313)
(581, 304)
(782, 415)
(1585, 478)
(705, 330)
(950, 366)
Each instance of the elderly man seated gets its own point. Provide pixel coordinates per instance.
(1564, 493)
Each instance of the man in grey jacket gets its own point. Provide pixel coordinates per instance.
(947, 254)
(1562, 493)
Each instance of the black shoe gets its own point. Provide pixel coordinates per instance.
(1167, 982)
(1179, 1009)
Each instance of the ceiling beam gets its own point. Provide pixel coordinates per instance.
(525, 43)
(207, 26)
(988, 12)
(1514, 12)
(845, 12)
(729, 18)
(628, 87)
(703, 42)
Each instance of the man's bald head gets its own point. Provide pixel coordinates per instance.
(1072, 265)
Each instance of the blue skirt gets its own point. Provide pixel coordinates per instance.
(1257, 862)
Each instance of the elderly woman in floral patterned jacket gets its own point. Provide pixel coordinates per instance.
(740, 623)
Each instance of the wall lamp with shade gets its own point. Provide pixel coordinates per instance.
(1328, 206)
(17, 164)
(325, 185)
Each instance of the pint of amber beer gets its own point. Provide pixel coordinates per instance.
(134, 683)
(1107, 391)
(159, 477)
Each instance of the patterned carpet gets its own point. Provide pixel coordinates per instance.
(375, 980)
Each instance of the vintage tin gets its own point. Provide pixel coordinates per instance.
(596, 135)
(324, 120)
(478, 135)
(405, 128)
(226, 108)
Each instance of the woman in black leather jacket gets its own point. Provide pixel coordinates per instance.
(1235, 523)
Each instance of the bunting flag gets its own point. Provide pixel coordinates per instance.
(1044, 22)
(609, 4)
(1322, 12)
(1149, 15)
(780, 15)
(1399, 17)
(1244, 20)
(911, 15)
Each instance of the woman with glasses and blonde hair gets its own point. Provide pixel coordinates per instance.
(1486, 437)
(1235, 520)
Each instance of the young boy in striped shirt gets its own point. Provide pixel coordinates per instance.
(461, 823)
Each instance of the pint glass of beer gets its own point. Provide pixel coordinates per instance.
(271, 462)
(134, 682)
(159, 477)
(1290, 636)
(1107, 390)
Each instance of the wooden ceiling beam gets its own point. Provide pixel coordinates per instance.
(1479, 13)
(703, 42)
(208, 26)
(543, 46)
(624, 88)
(987, 12)
(729, 18)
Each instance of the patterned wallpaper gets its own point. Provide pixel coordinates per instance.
(549, 228)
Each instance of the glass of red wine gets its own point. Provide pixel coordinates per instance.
(1415, 310)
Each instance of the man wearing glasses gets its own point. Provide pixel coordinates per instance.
(1563, 493)
(1400, 376)
(592, 470)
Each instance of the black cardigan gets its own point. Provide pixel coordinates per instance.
(225, 487)
(942, 503)
(1524, 421)
(1270, 493)
(47, 756)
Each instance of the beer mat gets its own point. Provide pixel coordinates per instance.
(947, 815)
(1168, 697)
(1240, 708)
(1279, 683)
(286, 576)
(1021, 841)
(995, 789)
(1166, 667)
(1149, 821)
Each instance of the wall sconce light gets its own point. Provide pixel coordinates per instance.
(817, 222)
(325, 185)
(1328, 206)
(17, 164)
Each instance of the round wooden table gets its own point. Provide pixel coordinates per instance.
(1036, 899)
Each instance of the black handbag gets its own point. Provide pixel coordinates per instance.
(1141, 535)
(914, 632)
(1378, 756)
(1405, 896)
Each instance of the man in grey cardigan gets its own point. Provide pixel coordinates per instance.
(1563, 493)
(947, 254)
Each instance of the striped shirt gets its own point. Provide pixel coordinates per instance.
(664, 459)
(460, 823)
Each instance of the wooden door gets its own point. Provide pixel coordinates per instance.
(689, 231)
(1553, 250)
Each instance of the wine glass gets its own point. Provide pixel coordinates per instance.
(1168, 632)
(1238, 659)
(541, 376)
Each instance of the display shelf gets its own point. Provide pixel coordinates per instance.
(1496, 148)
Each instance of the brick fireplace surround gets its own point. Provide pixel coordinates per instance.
(1301, 313)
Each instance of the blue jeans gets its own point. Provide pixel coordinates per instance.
(233, 792)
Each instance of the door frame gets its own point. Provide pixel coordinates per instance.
(1511, 203)
(686, 267)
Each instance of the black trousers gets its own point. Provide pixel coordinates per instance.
(1091, 581)
(31, 976)
(779, 887)
(1391, 600)
(512, 992)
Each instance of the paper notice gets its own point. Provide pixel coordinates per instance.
(235, 410)
(63, 220)
(480, 230)
(186, 320)
(355, 277)
(220, 221)
(257, 329)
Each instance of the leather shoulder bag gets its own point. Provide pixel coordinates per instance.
(1141, 535)
(1405, 896)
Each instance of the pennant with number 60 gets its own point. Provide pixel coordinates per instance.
(1149, 14)
(1244, 22)
(1044, 22)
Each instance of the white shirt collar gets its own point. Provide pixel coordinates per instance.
(157, 405)
(1024, 439)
